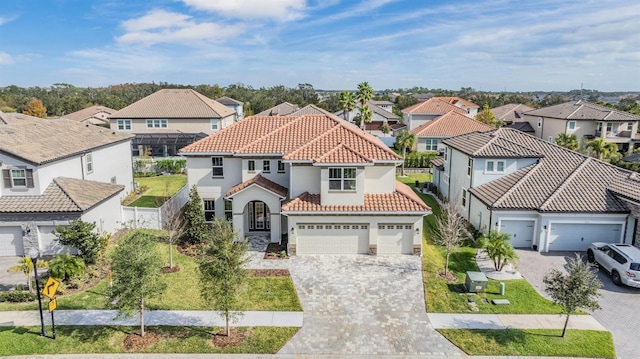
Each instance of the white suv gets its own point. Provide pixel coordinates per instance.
(621, 260)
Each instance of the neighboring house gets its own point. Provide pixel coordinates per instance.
(470, 107)
(544, 196)
(55, 171)
(522, 126)
(95, 115)
(312, 110)
(423, 112)
(587, 121)
(385, 105)
(429, 136)
(510, 113)
(380, 117)
(170, 119)
(282, 109)
(234, 105)
(318, 181)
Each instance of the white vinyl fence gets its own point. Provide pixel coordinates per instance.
(155, 218)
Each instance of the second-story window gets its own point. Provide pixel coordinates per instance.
(266, 166)
(17, 177)
(280, 166)
(251, 165)
(217, 166)
(124, 125)
(571, 125)
(215, 124)
(342, 179)
(157, 123)
(469, 166)
(88, 161)
(494, 167)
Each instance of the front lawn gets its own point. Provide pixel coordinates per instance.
(533, 342)
(160, 188)
(110, 339)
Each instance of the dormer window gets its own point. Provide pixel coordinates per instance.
(342, 179)
(494, 167)
(18, 177)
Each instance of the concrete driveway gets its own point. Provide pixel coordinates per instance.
(10, 280)
(362, 305)
(620, 312)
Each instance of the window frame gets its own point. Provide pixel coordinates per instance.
(539, 122)
(228, 210)
(123, 125)
(14, 177)
(464, 198)
(88, 162)
(431, 144)
(571, 125)
(266, 166)
(209, 211)
(157, 123)
(342, 179)
(495, 166)
(216, 122)
(281, 167)
(469, 166)
(217, 167)
(251, 165)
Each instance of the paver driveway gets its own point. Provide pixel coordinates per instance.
(620, 312)
(362, 305)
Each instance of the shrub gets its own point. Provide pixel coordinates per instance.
(80, 234)
(17, 296)
(65, 266)
(419, 159)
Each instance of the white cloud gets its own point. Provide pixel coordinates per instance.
(159, 26)
(279, 10)
(6, 59)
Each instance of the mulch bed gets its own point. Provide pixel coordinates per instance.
(221, 340)
(167, 269)
(273, 252)
(270, 273)
(190, 250)
(134, 342)
(449, 277)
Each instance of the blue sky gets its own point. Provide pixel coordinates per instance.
(490, 45)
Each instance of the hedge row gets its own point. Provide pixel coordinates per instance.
(419, 159)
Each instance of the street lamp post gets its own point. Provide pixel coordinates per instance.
(34, 254)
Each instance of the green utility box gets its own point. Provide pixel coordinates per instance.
(475, 282)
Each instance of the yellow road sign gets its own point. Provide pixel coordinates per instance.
(53, 304)
(50, 288)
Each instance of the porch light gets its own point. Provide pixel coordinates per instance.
(292, 230)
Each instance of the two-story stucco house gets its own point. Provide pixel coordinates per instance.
(170, 119)
(423, 112)
(55, 171)
(317, 180)
(232, 104)
(587, 121)
(429, 136)
(546, 197)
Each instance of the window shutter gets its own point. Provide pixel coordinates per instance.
(6, 176)
(29, 178)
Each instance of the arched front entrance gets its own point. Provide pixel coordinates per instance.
(259, 216)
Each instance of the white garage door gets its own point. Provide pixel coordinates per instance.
(395, 239)
(48, 241)
(333, 238)
(578, 236)
(520, 231)
(11, 242)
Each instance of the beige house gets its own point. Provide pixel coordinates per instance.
(429, 136)
(423, 112)
(170, 119)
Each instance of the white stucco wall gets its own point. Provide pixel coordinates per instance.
(338, 197)
(379, 179)
(107, 215)
(304, 178)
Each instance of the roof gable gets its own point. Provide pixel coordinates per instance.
(449, 125)
(433, 106)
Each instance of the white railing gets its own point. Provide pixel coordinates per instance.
(154, 218)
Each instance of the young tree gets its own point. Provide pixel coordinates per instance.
(36, 108)
(347, 103)
(222, 275)
(385, 128)
(405, 140)
(81, 235)
(486, 116)
(26, 267)
(499, 249)
(567, 141)
(174, 224)
(449, 231)
(65, 266)
(136, 265)
(578, 289)
(195, 228)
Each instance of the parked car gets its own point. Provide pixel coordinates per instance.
(622, 261)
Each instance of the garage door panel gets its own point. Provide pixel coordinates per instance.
(333, 239)
(578, 236)
(395, 239)
(11, 242)
(520, 232)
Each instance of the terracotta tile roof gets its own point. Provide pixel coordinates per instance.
(454, 100)
(582, 110)
(62, 195)
(229, 101)
(449, 125)
(39, 141)
(260, 181)
(433, 106)
(303, 138)
(282, 109)
(175, 103)
(510, 112)
(402, 201)
(88, 112)
(561, 180)
(342, 154)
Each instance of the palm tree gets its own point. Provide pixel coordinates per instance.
(365, 116)
(601, 148)
(405, 140)
(499, 249)
(347, 102)
(567, 141)
(363, 95)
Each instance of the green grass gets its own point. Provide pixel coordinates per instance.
(183, 292)
(533, 342)
(443, 297)
(109, 339)
(160, 188)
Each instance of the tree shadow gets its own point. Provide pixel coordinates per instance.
(462, 261)
(505, 337)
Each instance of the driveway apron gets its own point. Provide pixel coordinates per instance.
(363, 305)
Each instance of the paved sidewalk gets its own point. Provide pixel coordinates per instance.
(155, 317)
(512, 321)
